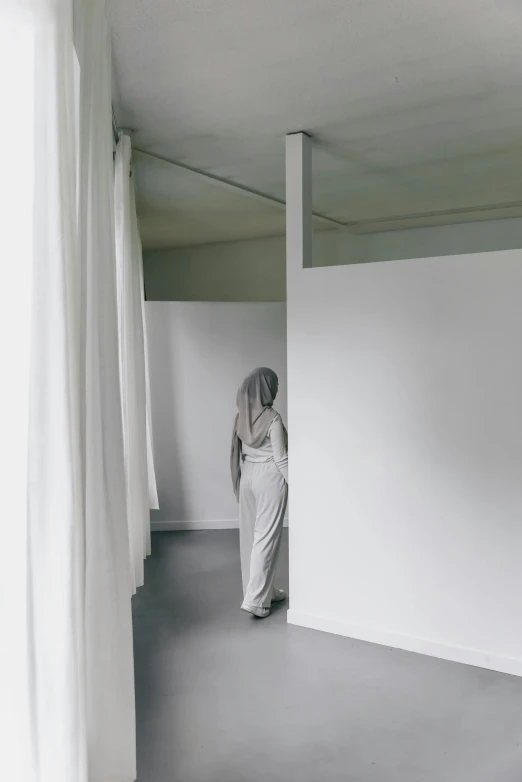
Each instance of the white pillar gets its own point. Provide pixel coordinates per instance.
(298, 203)
(298, 258)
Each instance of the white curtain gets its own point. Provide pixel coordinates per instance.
(56, 524)
(67, 690)
(16, 192)
(109, 651)
(151, 470)
(48, 708)
(132, 359)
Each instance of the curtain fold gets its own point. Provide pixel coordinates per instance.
(56, 528)
(16, 51)
(151, 471)
(47, 626)
(67, 686)
(137, 429)
(132, 364)
(108, 624)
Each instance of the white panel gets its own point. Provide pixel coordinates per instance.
(406, 491)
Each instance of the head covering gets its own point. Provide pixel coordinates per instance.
(255, 398)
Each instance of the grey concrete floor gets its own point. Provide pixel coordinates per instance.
(223, 697)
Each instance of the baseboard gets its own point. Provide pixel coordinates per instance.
(181, 526)
(457, 654)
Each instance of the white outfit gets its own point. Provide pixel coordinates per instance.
(262, 504)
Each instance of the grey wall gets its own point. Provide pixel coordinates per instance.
(337, 248)
(199, 353)
(255, 270)
(236, 271)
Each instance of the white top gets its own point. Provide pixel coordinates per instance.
(273, 448)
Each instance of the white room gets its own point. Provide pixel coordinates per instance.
(413, 377)
(264, 421)
(395, 286)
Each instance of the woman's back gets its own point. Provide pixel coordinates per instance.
(273, 448)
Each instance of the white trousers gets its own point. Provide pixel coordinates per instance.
(262, 505)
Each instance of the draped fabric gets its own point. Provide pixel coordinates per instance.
(132, 360)
(56, 523)
(16, 196)
(69, 704)
(151, 471)
(255, 398)
(108, 625)
(48, 706)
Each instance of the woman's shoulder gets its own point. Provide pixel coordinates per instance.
(277, 420)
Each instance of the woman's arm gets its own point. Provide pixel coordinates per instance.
(279, 448)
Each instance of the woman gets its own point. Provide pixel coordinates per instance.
(259, 464)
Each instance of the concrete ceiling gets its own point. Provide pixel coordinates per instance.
(178, 207)
(415, 107)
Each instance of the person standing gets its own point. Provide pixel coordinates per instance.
(259, 466)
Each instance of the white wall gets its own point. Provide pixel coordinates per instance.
(199, 354)
(255, 270)
(406, 454)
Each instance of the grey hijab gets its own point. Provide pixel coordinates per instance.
(255, 398)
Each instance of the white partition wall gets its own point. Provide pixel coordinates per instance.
(198, 354)
(405, 400)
